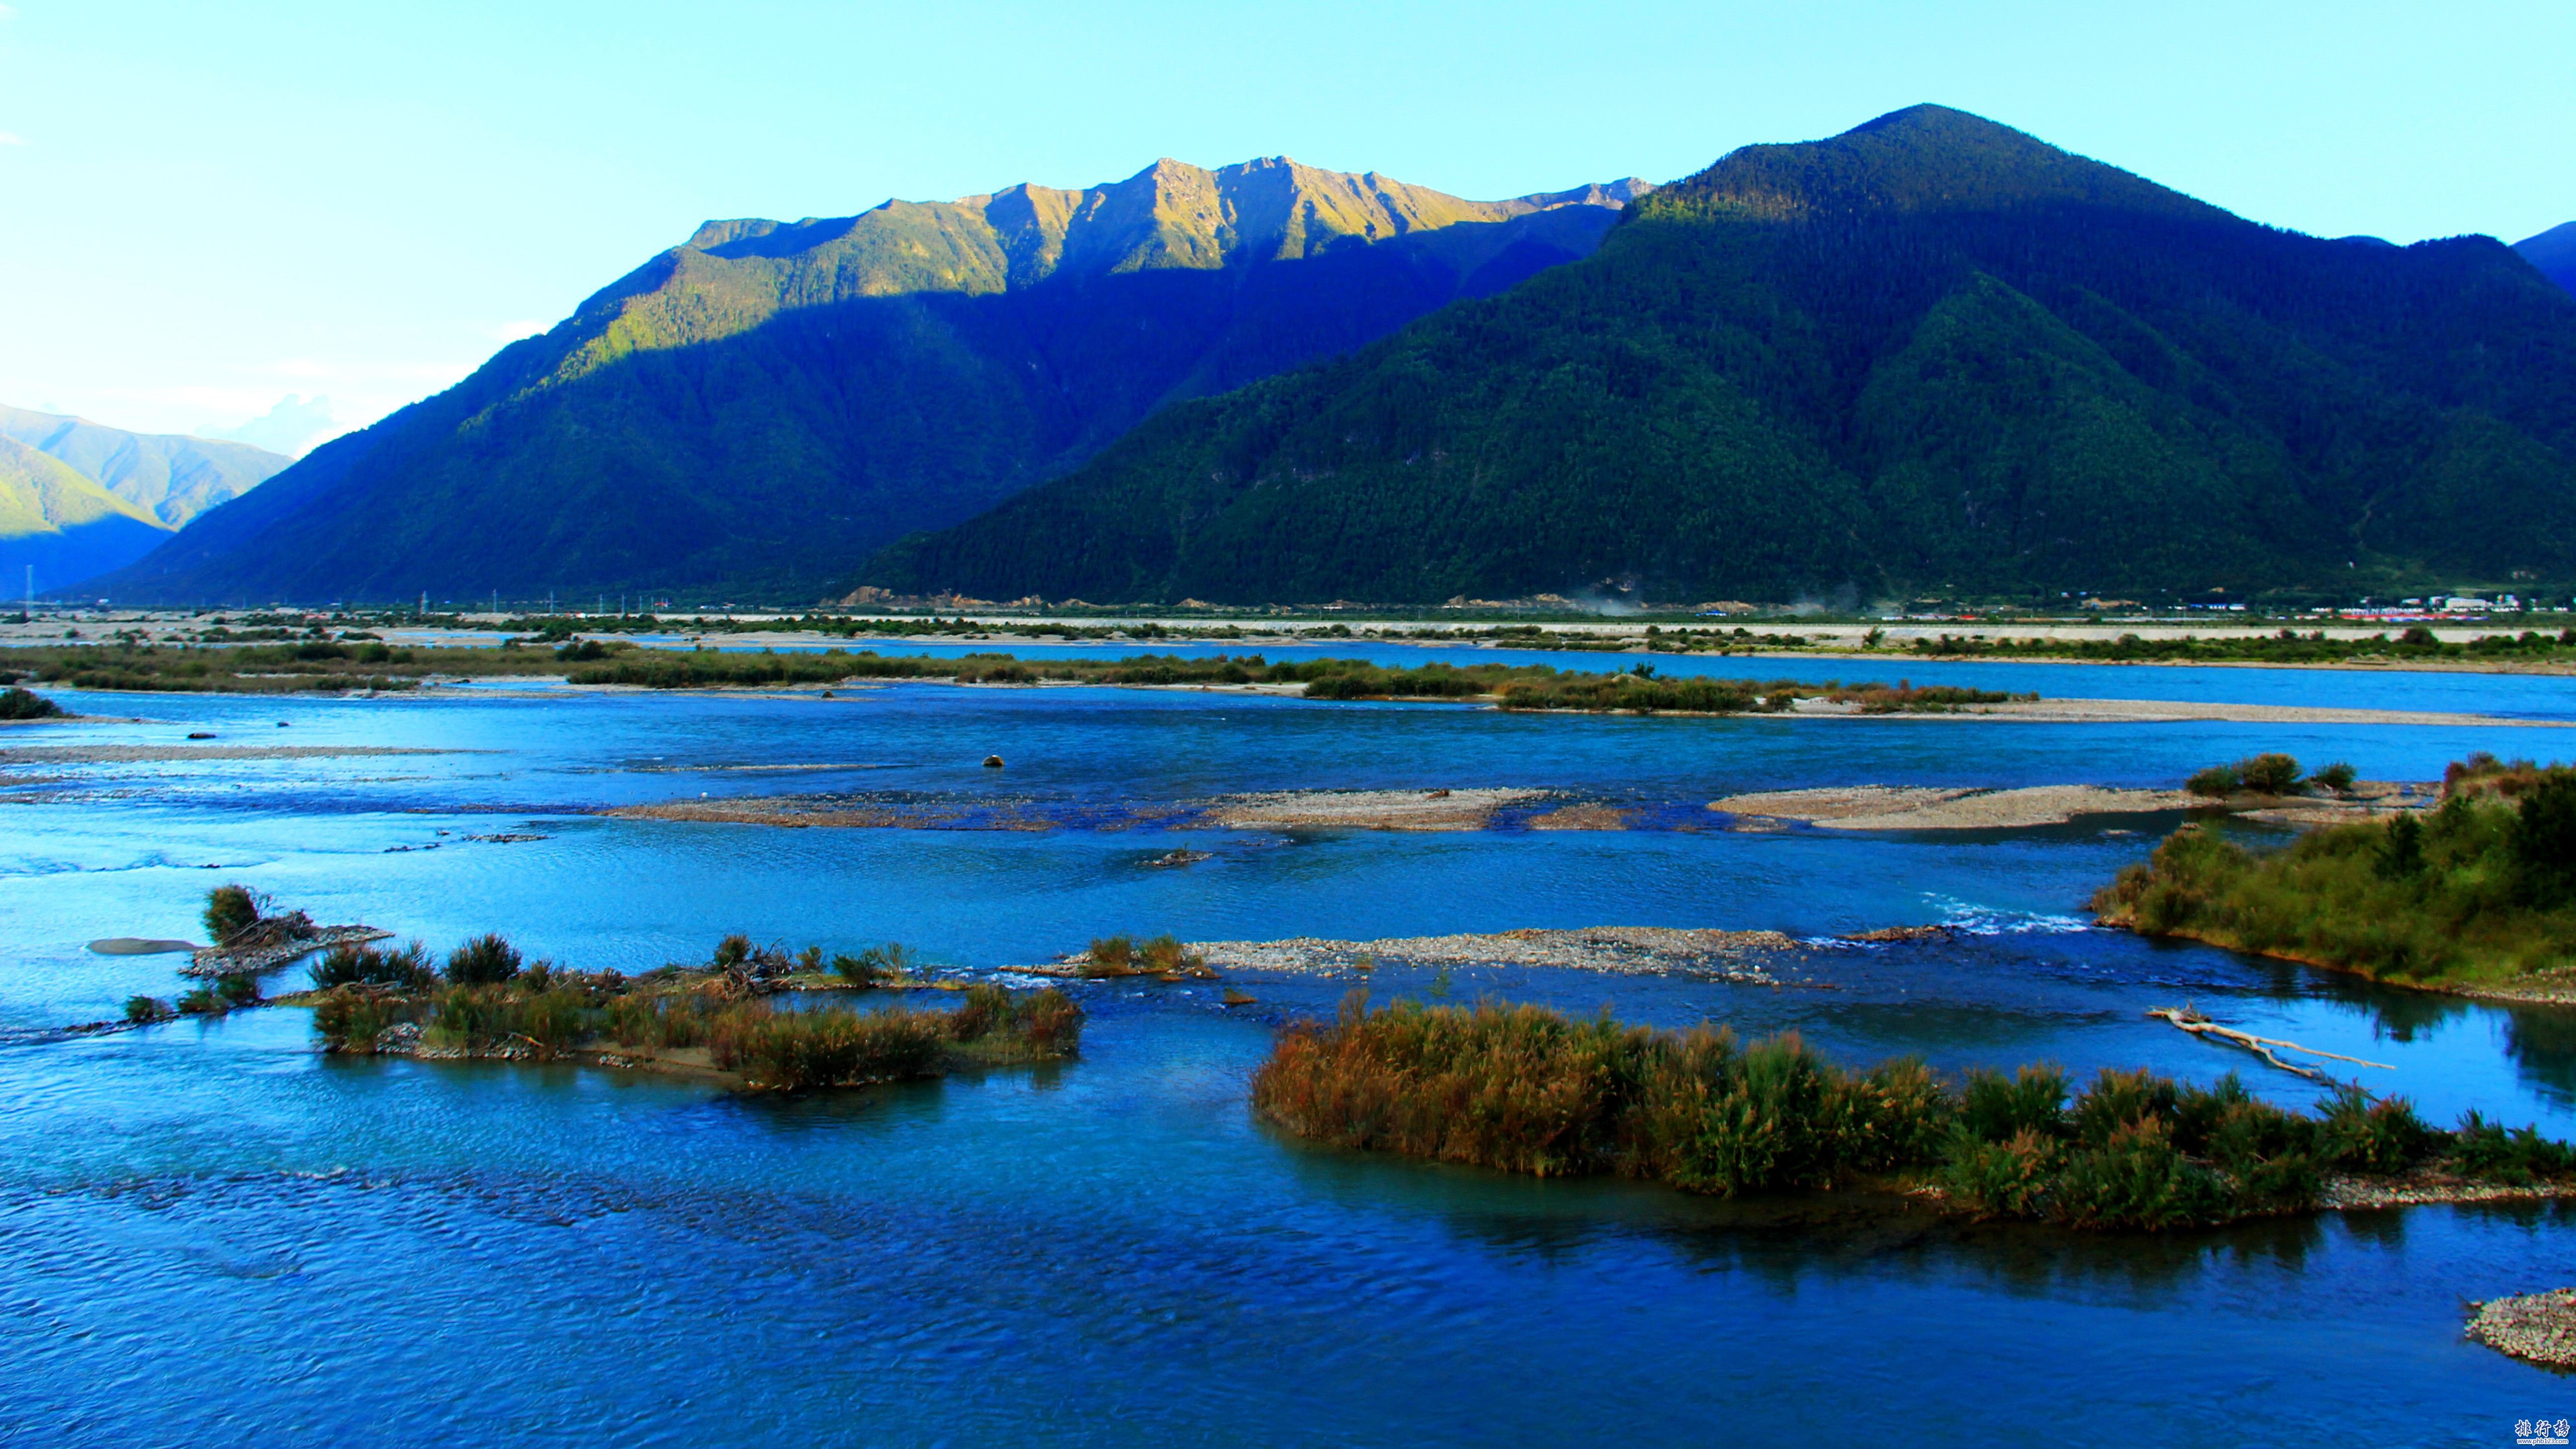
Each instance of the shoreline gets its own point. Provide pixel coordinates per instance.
(2558, 991)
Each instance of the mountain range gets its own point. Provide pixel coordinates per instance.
(2554, 253)
(762, 407)
(78, 499)
(1932, 353)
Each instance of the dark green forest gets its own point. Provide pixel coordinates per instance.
(1932, 353)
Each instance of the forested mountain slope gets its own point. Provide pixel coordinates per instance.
(751, 413)
(1930, 353)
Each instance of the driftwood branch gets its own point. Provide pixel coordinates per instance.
(2201, 1026)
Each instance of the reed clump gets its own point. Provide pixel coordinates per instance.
(1527, 1089)
(2481, 889)
(487, 1003)
(1163, 957)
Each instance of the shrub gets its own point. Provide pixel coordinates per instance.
(876, 965)
(351, 965)
(2400, 855)
(2137, 1178)
(2543, 838)
(18, 703)
(230, 910)
(351, 1018)
(2364, 1134)
(2337, 777)
(657, 1023)
(2269, 774)
(1994, 1107)
(145, 1010)
(2515, 1155)
(2216, 782)
(487, 960)
(1110, 956)
(2010, 1178)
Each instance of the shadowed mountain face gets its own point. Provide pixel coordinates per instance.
(173, 478)
(2554, 253)
(752, 412)
(62, 524)
(1932, 352)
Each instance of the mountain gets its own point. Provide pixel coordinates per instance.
(62, 523)
(172, 478)
(292, 427)
(1930, 353)
(2554, 253)
(758, 408)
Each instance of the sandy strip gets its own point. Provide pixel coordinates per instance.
(1724, 955)
(834, 815)
(1914, 807)
(155, 754)
(1363, 809)
(2150, 711)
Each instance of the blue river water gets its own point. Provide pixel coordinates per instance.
(209, 1233)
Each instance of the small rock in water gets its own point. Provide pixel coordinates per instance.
(992, 762)
(1180, 857)
(201, 734)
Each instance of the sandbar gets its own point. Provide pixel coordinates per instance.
(1642, 950)
(1917, 807)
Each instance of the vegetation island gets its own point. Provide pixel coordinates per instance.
(344, 665)
(1531, 1090)
(2473, 892)
(720, 1019)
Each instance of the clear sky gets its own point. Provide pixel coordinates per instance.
(210, 206)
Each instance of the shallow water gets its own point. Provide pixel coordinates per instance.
(210, 1234)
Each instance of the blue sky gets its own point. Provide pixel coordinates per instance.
(213, 206)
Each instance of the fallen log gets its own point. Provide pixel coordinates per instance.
(2201, 1026)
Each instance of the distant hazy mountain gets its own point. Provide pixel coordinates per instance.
(760, 408)
(2554, 252)
(292, 428)
(1930, 353)
(170, 477)
(62, 523)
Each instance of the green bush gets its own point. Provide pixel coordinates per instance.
(145, 1010)
(2269, 774)
(487, 960)
(876, 965)
(2216, 782)
(230, 910)
(352, 965)
(2337, 777)
(2515, 1155)
(1994, 1107)
(2379, 1135)
(351, 1018)
(17, 703)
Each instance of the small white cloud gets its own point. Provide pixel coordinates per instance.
(12, 138)
(513, 331)
(8, 13)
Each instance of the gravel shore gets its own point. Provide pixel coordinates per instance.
(1737, 956)
(2535, 1327)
